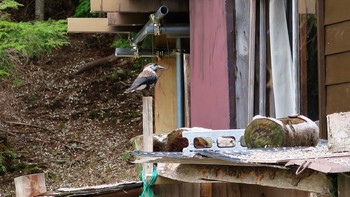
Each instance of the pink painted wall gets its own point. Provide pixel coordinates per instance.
(211, 106)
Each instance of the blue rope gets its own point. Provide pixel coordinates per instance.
(147, 187)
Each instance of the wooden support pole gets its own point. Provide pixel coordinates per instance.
(296, 68)
(303, 64)
(251, 59)
(262, 55)
(30, 185)
(147, 114)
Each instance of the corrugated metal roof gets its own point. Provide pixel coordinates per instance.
(318, 158)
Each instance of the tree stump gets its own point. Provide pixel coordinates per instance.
(265, 132)
(30, 185)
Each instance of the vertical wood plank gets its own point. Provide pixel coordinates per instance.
(190, 189)
(262, 57)
(206, 190)
(343, 185)
(321, 68)
(167, 190)
(211, 104)
(227, 189)
(165, 97)
(252, 33)
(257, 190)
(295, 53)
(303, 64)
(242, 61)
(187, 82)
(147, 114)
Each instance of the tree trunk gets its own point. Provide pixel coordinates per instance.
(263, 132)
(40, 9)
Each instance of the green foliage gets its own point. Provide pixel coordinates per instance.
(6, 156)
(121, 43)
(126, 156)
(83, 9)
(25, 40)
(7, 4)
(32, 39)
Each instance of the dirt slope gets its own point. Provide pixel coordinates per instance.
(76, 129)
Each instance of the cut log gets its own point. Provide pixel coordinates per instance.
(265, 132)
(30, 185)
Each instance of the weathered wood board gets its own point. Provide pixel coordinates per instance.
(336, 12)
(137, 6)
(165, 97)
(338, 68)
(338, 128)
(95, 25)
(338, 97)
(310, 181)
(337, 38)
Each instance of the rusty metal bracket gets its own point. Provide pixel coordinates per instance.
(303, 166)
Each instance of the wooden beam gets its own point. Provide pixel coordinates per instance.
(96, 25)
(309, 180)
(127, 19)
(142, 6)
(140, 19)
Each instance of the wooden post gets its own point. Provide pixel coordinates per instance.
(147, 115)
(262, 56)
(303, 64)
(251, 59)
(30, 185)
(187, 76)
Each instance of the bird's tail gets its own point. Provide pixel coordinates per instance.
(129, 90)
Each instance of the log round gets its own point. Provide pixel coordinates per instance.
(266, 132)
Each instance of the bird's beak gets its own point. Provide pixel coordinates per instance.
(160, 67)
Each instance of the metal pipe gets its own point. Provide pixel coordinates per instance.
(295, 67)
(131, 52)
(262, 69)
(154, 19)
(171, 31)
(175, 31)
(179, 85)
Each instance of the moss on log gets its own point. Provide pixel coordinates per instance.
(264, 132)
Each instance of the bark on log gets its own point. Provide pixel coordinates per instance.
(102, 61)
(263, 132)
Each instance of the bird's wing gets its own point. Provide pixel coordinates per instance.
(145, 78)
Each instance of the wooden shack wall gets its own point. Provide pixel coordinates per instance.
(334, 58)
(212, 89)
